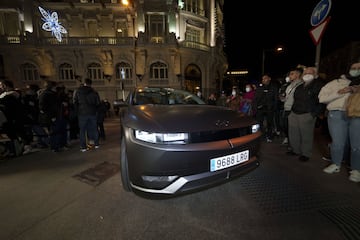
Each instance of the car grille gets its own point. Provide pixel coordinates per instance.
(217, 135)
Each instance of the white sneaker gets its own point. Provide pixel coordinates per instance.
(286, 141)
(332, 168)
(27, 149)
(354, 176)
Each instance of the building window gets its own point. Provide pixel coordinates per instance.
(121, 29)
(92, 27)
(9, 24)
(94, 71)
(66, 72)
(159, 74)
(194, 6)
(29, 72)
(123, 71)
(192, 35)
(156, 27)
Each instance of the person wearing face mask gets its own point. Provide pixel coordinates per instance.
(246, 102)
(233, 101)
(304, 112)
(343, 129)
(294, 81)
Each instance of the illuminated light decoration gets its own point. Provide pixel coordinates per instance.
(51, 24)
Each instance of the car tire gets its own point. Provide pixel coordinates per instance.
(124, 167)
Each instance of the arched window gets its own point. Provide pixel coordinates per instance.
(123, 71)
(29, 72)
(94, 71)
(66, 72)
(159, 74)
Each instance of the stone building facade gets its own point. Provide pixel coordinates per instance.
(165, 43)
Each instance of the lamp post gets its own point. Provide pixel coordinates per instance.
(276, 50)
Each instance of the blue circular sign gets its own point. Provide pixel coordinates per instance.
(320, 12)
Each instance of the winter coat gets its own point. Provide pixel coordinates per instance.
(330, 96)
(86, 101)
(306, 98)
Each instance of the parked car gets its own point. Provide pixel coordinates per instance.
(172, 142)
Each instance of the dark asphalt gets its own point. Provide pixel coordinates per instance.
(282, 199)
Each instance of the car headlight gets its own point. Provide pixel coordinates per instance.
(255, 128)
(162, 138)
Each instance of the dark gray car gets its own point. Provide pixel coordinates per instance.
(173, 143)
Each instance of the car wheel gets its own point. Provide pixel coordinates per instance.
(124, 167)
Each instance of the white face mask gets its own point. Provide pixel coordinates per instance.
(233, 93)
(248, 89)
(308, 77)
(287, 79)
(354, 72)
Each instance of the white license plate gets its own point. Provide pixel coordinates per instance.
(228, 160)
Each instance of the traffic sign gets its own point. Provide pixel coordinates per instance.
(320, 12)
(317, 32)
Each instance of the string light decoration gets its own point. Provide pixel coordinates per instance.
(51, 24)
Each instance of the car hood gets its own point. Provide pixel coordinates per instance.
(182, 118)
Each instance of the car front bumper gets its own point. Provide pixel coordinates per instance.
(174, 169)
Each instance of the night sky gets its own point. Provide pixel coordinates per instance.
(257, 25)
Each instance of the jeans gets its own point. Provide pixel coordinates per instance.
(354, 133)
(342, 129)
(338, 128)
(88, 130)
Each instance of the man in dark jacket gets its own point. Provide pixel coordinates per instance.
(86, 103)
(265, 104)
(305, 109)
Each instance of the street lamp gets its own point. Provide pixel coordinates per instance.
(276, 50)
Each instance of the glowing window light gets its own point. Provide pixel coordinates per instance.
(51, 24)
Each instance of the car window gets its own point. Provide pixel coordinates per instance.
(165, 96)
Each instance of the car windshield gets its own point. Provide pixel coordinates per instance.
(164, 96)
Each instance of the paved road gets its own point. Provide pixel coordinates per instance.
(282, 199)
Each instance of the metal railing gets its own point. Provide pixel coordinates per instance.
(100, 41)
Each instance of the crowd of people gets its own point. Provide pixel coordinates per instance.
(293, 107)
(50, 117)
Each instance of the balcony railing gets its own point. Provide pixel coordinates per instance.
(195, 45)
(90, 41)
(80, 41)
